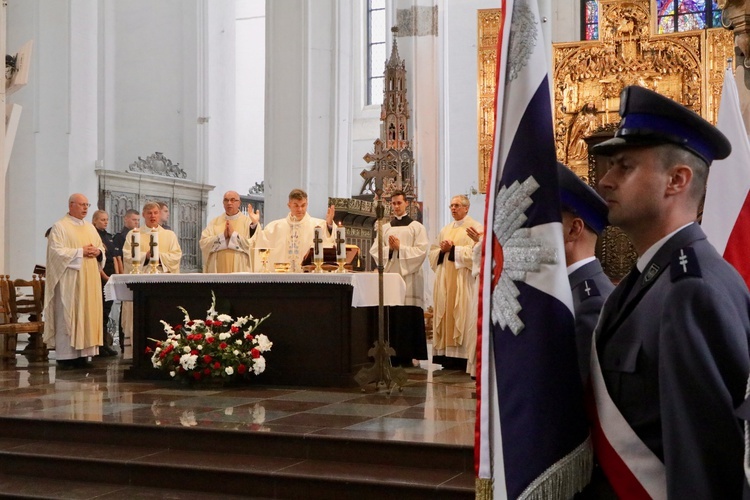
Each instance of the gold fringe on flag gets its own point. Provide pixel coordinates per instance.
(565, 478)
(483, 488)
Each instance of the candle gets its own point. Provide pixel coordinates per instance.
(154, 244)
(340, 242)
(135, 245)
(317, 245)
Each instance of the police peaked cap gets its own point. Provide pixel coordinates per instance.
(650, 119)
(580, 199)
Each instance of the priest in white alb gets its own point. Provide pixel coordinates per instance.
(405, 247)
(451, 259)
(225, 242)
(73, 295)
(289, 240)
(168, 254)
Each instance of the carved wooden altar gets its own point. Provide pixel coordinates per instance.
(588, 78)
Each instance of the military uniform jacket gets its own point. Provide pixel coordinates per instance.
(590, 287)
(674, 358)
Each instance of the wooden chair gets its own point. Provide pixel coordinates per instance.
(8, 335)
(28, 306)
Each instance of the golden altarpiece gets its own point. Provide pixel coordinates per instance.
(588, 78)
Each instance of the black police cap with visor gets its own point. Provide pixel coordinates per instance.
(650, 119)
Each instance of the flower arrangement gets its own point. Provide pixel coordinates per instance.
(220, 346)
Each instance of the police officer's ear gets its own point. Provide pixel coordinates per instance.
(573, 227)
(679, 179)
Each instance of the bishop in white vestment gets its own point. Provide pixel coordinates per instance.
(288, 240)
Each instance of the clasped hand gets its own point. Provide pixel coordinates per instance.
(91, 251)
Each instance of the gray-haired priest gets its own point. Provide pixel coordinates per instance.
(225, 243)
(73, 293)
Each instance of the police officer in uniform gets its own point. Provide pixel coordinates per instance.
(584, 217)
(672, 341)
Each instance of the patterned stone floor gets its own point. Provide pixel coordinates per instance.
(435, 405)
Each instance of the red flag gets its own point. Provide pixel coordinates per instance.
(726, 213)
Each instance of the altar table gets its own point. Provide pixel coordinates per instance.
(321, 325)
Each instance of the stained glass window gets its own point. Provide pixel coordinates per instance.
(376, 32)
(590, 22)
(686, 15)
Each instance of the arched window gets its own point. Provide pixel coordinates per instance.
(376, 32)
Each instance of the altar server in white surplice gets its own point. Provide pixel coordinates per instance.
(225, 243)
(451, 259)
(405, 246)
(170, 254)
(290, 239)
(73, 292)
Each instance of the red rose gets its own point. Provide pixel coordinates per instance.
(223, 345)
(207, 371)
(194, 352)
(217, 365)
(241, 369)
(162, 354)
(210, 340)
(181, 369)
(198, 336)
(248, 337)
(176, 358)
(235, 329)
(206, 359)
(148, 350)
(190, 323)
(197, 375)
(255, 353)
(178, 327)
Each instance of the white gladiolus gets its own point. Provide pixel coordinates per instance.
(224, 318)
(224, 336)
(187, 361)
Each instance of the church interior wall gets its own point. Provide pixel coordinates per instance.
(250, 84)
(155, 84)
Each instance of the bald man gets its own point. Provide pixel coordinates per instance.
(73, 294)
(225, 243)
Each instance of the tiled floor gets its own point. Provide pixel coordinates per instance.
(435, 405)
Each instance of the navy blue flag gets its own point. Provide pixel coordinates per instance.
(534, 438)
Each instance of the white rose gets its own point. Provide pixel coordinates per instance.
(172, 373)
(236, 352)
(259, 365)
(224, 336)
(229, 370)
(186, 349)
(199, 347)
(263, 343)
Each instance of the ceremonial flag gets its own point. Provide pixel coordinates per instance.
(533, 439)
(726, 212)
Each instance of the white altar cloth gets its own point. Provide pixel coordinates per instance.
(365, 284)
